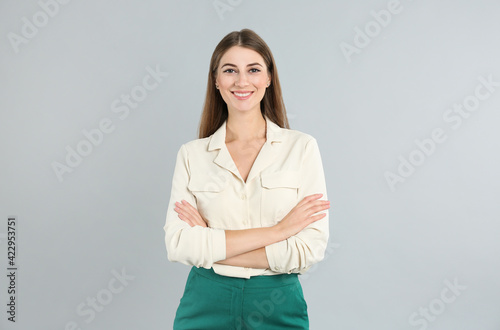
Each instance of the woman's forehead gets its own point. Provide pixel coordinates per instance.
(241, 56)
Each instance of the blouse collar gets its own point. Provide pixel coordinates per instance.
(218, 139)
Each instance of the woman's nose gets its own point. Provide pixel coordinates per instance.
(241, 80)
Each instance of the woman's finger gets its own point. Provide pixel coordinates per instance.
(194, 214)
(308, 199)
(191, 213)
(183, 215)
(191, 210)
(316, 217)
(318, 208)
(186, 220)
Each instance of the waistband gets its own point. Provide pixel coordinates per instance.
(261, 281)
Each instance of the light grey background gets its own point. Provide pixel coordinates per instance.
(391, 251)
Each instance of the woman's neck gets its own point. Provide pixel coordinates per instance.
(245, 127)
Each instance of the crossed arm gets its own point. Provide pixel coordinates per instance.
(246, 247)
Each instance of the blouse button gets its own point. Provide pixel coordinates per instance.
(243, 196)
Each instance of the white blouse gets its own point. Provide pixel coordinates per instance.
(287, 169)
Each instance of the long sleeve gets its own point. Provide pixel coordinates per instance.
(197, 246)
(299, 252)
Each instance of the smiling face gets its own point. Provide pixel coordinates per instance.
(242, 78)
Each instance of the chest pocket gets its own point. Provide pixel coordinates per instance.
(210, 192)
(279, 195)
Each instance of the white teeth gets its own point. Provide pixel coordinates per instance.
(242, 95)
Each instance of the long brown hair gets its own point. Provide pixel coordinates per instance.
(215, 109)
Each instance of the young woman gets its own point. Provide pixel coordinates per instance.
(248, 208)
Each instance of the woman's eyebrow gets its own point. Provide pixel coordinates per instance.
(251, 64)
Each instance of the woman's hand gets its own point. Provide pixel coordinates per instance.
(302, 215)
(189, 214)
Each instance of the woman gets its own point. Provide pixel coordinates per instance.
(246, 208)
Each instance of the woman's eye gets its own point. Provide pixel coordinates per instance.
(254, 70)
(229, 70)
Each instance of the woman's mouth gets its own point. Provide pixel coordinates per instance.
(242, 95)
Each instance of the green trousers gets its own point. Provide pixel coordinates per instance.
(213, 301)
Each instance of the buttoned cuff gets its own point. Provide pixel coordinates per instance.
(218, 244)
(274, 258)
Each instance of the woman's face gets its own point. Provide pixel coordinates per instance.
(242, 78)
